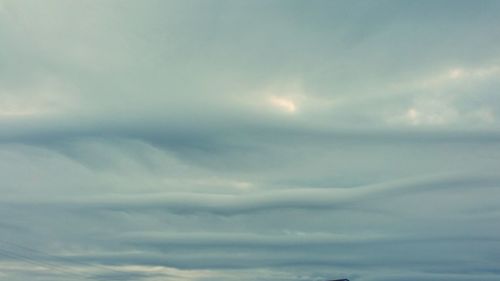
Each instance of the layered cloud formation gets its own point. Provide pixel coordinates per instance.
(249, 140)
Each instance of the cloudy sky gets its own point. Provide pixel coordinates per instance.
(256, 140)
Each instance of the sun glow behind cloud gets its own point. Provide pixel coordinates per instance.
(283, 103)
(284, 96)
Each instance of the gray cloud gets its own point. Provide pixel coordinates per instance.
(263, 140)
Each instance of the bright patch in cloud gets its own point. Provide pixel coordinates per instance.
(485, 115)
(475, 73)
(429, 112)
(45, 97)
(450, 77)
(413, 115)
(12, 106)
(456, 73)
(432, 116)
(18, 112)
(283, 103)
(463, 74)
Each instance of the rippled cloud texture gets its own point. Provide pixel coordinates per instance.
(249, 140)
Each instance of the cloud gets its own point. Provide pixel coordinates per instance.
(197, 141)
(233, 204)
(283, 104)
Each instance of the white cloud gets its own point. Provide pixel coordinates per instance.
(458, 96)
(289, 97)
(456, 73)
(48, 96)
(283, 103)
(448, 78)
(460, 74)
(471, 74)
(484, 115)
(284, 96)
(430, 112)
(434, 115)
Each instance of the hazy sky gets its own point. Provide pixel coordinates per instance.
(249, 140)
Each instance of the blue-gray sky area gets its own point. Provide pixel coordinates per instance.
(249, 140)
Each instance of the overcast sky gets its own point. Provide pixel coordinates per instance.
(249, 140)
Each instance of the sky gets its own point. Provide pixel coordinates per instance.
(203, 140)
